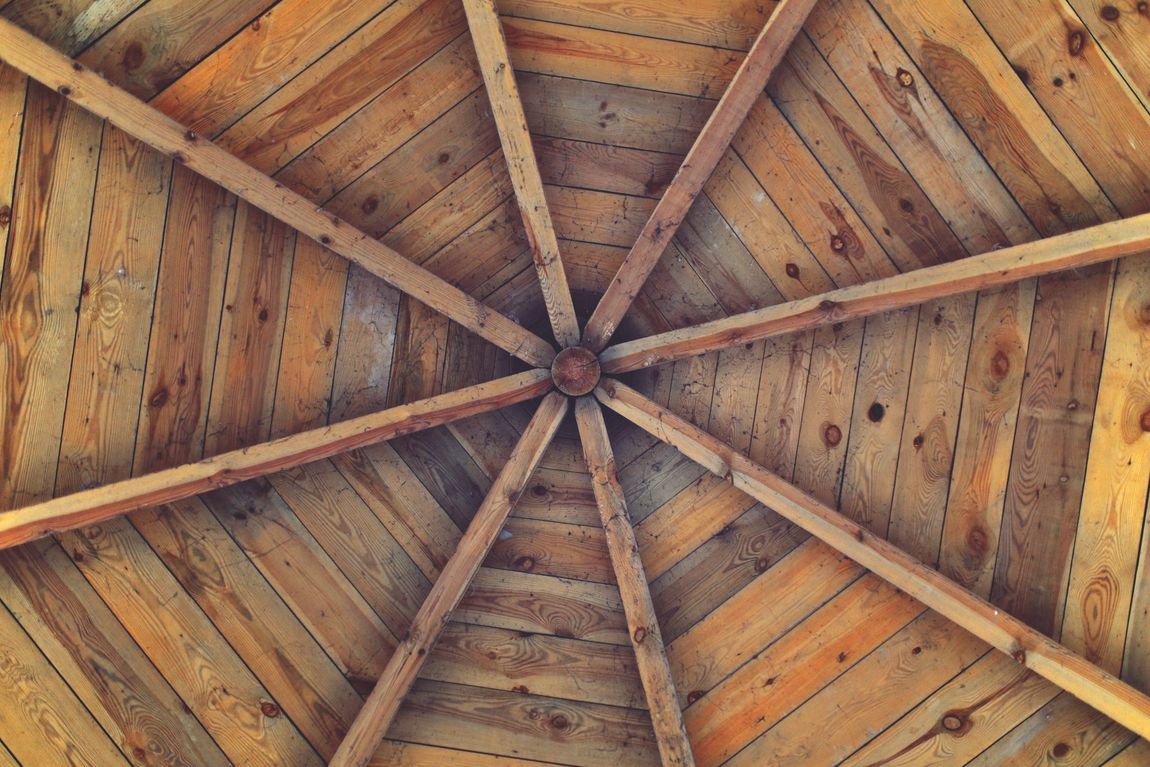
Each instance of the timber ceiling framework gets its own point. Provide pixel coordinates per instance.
(575, 371)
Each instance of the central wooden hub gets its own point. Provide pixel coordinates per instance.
(575, 371)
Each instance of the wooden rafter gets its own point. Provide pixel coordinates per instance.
(70, 78)
(373, 720)
(1000, 267)
(92, 506)
(511, 122)
(642, 624)
(1043, 655)
(730, 113)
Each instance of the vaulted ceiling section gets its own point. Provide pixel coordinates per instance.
(366, 226)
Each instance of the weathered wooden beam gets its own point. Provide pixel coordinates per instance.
(1000, 267)
(1043, 655)
(511, 122)
(768, 50)
(371, 724)
(642, 624)
(91, 506)
(136, 118)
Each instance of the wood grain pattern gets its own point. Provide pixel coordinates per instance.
(372, 722)
(1088, 246)
(42, 278)
(168, 485)
(169, 137)
(642, 623)
(42, 718)
(768, 50)
(99, 661)
(1009, 635)
(115, 308)
(1106, 548)
(507, 108)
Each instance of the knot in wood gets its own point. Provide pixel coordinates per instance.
(575, 371)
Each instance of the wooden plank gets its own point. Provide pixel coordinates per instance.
(556, 607)
(1039, 653)
(984, 702)
(42, 278)
(610, 57)
(187, 648)
(13, 97)
(251, 332)
(151, 126)
(781, 28)
(1112, 519)
(875, 692)
(526, 726)
(370, 726)
(99, 660)
(72, 25)
(1067, 251)
(91, 506)
(507, 108)
(305, 683)
(537, 664)
(1064, 729)
(787, 672)
(186, 315)
(154, 46)
(271, 50)
(116, 301)
(646, 638)
(985, 438)
(758, 614)
(42, 719)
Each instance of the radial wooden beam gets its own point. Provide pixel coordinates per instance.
(766, 53)
(373, 720)
(643, 626)
(1000, 267)
(91, 506)
(1043, 655)
(510, 121)
(70, 78)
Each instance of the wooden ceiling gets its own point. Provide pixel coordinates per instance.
(150, 318)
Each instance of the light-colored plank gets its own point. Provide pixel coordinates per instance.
(1076, 249)
(42, 277)
(1110, 525)
(1041, 654)
(507, 107)
(380, 708)
(151, 126)
(91, 506)
(781, 28)
(646, 638)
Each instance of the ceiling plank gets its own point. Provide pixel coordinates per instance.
(71, 79)
(642, 623)
(768, 50)
(91, 506)
(1000, 267)
(510, 120)
(372, 722)
(1039, 653)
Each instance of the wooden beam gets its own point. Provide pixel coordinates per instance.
(768, 50)
(88, 89)
(91, 506)
(642, 624)
(1043, 655)
(511, 122)
(371, 724)
(1000, 267)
